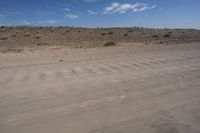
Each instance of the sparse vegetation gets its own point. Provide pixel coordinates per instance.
(110, 33)
(37, 37)
(103, 34)
(111, 43)
(155, 36)
(167, 35)
(4, 38)
(89, 38)
(126, 34)
(2, 27)
(14, 35)
(10, 48)
(143, 33)
(27, 35)
(42, 44)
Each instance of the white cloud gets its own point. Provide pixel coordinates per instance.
(90, 1)
(66, 9)
(47, 21)
(41, 12)
(112, 7)
(71, 16)
(25, 22)
(92, 12)
(123, 8)
(152, 7)
(51, 21)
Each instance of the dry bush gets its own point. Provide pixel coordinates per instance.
(4, 38)
(42, 44)
(111, 43)
(2, 27)
(10, 48)
(37, 37)
(14, 35)
(167, 35)
(126, 34)
(110, 33)
(103, 34)
(143, 33)
(27, 35)
(155, 36)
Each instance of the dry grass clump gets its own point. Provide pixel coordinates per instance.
(103, 34)
(155, 36)
(14, 35)
(10, 48)
(1, 27)
(167, 35)
(111, 43)
(27, 35)
(4, 38)
(37, 37)
(126, 34)
(110, 33)
(42, 44)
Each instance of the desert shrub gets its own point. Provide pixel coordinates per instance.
(103, 34)
(14, 35)
(167, 35)
(130, 31)
(37, 37)
(36, 32)
(4, 38)
(40, 27)
(111, 43)
(1, 27)
(79, 31)
(27, 35)
(10, 48)
(126, 34)
(67, 31)
(155, 36)
(42, 44)
(110, 33)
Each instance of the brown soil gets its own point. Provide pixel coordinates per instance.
(15, 39)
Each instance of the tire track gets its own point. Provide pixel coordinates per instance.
(106, 68)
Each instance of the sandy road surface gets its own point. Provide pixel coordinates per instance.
(122, 92)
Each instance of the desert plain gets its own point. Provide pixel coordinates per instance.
(99, 80)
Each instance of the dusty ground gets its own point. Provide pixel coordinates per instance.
(122, 89)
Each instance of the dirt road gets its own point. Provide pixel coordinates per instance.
(155, 91)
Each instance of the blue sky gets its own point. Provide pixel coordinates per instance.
(102, 13)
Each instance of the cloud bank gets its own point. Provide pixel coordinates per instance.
(116, 7)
